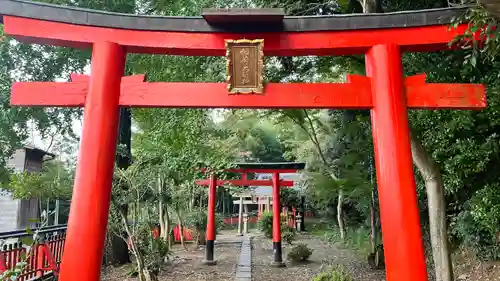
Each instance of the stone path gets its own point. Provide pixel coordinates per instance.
(244, 268)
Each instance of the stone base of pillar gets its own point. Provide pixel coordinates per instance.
(205, 262)
(277, 255)
(278, 264)
(209, 253)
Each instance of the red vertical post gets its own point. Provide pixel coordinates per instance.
(88, 217)
(39, 259)
(209, 249)
(278, 259)
(403, 246)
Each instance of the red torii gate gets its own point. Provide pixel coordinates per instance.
(244, 168)
(384, 90)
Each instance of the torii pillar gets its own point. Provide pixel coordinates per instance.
(277, 252)
(210, 237)
(399, 213)
(92, 190)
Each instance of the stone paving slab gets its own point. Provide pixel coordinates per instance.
(244, 269)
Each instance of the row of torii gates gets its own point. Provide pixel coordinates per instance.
(244, 36)
(243, 169)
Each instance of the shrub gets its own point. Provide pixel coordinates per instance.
(299, 253)
(265, 224)
(338, 273)
(288, 234)
(197, 222)
(476, 226)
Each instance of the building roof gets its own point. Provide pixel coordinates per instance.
(38, 151)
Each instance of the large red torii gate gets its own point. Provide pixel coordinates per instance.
(384, 90)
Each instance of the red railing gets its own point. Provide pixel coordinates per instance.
(234, 220)
(41, 259)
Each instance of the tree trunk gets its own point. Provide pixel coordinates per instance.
(223, 202)
(373, 210)
(437, 210)
(162, 211)
(56, 212)
(116, 248)
(192, 194)
(240, 216)
(371, 6)
(340, 218)
(181, 228)
(166, 235)
(373, 227)
(144, 273)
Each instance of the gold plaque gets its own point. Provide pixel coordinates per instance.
(245, 66)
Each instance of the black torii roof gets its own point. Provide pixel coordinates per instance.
(271, 165)
(223, 20)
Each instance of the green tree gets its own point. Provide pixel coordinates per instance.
(252, 134)
(53, 182)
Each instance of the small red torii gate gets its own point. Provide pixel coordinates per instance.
(244, 168)
(382, 38)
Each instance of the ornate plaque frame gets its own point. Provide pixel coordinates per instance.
(254, 55)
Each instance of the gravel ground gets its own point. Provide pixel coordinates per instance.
(322, 257)
(187, 266)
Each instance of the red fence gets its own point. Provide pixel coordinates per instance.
(188, 236)
(41, 259)
(234, 220)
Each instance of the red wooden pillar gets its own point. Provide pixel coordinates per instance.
(403, 247)
(88, 216)
(39, 259)
(209, 250)
(277, 255)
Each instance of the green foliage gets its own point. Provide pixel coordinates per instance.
(485, 208)
(477, 225)
(53, 182)
(487, 50)
(299, 253)
(337, 273)
(287, 234)
(23, 62)
(159, 250)
(357, 237)
(255, 138)
(291, 197)
(474, 237)
(265, 224)
(198, 221)
(15, 272)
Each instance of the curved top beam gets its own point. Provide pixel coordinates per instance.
(87, 17)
